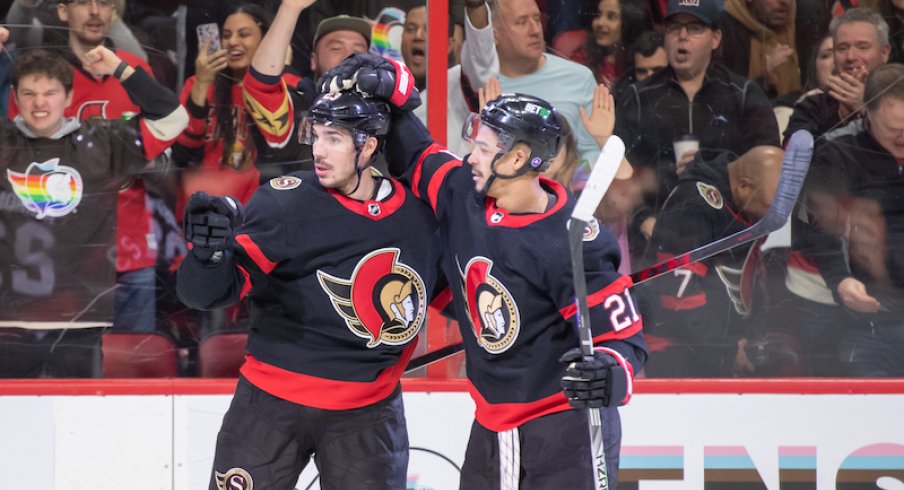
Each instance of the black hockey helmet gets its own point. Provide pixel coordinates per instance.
(522, 118)
(364, 117)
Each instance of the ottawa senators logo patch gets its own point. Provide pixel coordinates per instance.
(285, 182)
(711, 195)
(234, 479)
(384, 301)
(492, 310)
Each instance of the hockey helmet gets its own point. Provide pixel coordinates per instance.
(364, 117)
(522, 118)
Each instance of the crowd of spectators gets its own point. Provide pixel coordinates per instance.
(706, 93)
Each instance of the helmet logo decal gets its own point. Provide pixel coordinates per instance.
(384, 301)
(234, 479)
(494, 316)
(535, 109)
(284, 183)
(47, 189)
(535, 162)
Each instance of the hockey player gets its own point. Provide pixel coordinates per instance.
(339, 267)
(505, 238)
(58, 213)
(703, 310)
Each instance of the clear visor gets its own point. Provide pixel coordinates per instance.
(472, 125)
(306, 131)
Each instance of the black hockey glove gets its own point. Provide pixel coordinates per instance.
(600, 382)
(210, 222)
(373, 76)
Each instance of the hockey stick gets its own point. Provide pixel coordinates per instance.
(794, 170)
(600, 179)
(597, 183)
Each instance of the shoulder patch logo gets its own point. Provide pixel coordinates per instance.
(234, 479)
(47, 189)
(494, 316)
(592, 230)
(385, 300)
(711, 195)
(285, 182)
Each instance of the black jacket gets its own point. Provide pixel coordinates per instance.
(729, 113)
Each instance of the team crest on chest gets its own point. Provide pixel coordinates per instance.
(234, 479)
(47, 189)
(285, 182)
(384, 301)
(491, 308)
(711, 195)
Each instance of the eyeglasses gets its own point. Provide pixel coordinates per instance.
(693, 28)
(104, 4)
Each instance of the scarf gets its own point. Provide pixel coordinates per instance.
(762, 40)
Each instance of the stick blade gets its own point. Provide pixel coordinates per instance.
(794, 170)
(601, 177)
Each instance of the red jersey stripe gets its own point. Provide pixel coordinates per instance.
(255, 253)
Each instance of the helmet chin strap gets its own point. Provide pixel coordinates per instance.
(496, 175)
(358, 172)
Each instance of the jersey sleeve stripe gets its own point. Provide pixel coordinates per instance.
(615, 287)
(436, 182)
(246, 285)
(621, 334)
(686, 303)
(419, 168)
(255, 253)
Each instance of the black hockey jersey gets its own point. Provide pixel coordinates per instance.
(702, 306)
(514, 296)
(338, 288)
(58, 209)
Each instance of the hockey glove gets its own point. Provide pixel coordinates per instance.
(210, 222)
(373, 76)
(604, 381)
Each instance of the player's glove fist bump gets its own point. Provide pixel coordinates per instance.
(210, 222)
(373, 76)
(605, 380)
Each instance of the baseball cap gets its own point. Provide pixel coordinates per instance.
(704, 10)
(342, 23)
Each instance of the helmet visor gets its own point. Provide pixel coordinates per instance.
(504, 141)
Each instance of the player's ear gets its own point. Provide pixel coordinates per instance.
(370, 147)
(520, 155)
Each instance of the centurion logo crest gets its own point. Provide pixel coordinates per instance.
(385, 301)
(491, 308)
(47, 189)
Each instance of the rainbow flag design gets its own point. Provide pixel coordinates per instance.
(47, 189)
(386, 34)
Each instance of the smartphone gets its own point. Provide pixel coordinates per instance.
(209, 32)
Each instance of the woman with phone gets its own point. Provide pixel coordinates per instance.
(218, 139)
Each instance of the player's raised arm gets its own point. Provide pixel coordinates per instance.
(412, 154)
(266, 95)
(162, 117)
(270, 57)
